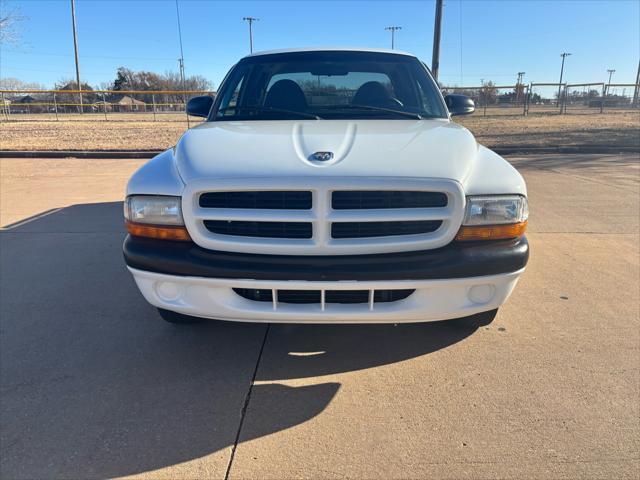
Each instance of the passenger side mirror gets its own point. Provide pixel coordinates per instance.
(199, 106)
(459, 104)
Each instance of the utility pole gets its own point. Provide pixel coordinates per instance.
(563, 55)
(636, 90)
(393, 29)
(75, 47)
(519, 86)
(250, 20)
(610, 72)
(181, 63)
(435, 59)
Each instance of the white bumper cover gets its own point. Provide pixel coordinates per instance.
(432, 300)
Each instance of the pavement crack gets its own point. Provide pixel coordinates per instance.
(245, 406)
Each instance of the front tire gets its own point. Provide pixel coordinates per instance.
(473, 322)
(178, 318)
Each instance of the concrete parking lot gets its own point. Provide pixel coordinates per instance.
(95, 385)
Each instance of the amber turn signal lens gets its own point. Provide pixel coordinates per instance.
(491, 232)
(159, 232)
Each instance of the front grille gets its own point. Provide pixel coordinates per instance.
(383, 229)
(273, 200)
(381, 199)
(322, 215)
(331, 296)
(260, 229)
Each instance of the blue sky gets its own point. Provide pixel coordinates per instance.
(490, 40)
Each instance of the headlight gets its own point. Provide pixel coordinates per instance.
(156, 210)
(494, 217)
(496, 210)
(155, 216)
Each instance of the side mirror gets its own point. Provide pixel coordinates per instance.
(199, 106)
(459, 104)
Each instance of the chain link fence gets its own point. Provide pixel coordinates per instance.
(550, 98)
(495, 99)
(169, 105)
(104, 105)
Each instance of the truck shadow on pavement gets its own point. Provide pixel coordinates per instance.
(95, 385)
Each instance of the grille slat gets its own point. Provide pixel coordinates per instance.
(331, 296)
(300, 230)
(383, 229)
(261, 200)
(382, 199)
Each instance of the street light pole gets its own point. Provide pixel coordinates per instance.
(563, 55)
(393, 29)
(435, 58)
(250, 20)
(75, 47)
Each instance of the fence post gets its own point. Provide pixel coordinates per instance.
(55, 106)
(526, 100)
(153, 100)
(104, 105)
(605, 91)
(185, 110)
(5, 107)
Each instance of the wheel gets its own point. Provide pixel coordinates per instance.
(178, 318)
(476, 321)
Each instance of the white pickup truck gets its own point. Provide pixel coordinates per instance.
(327, 186)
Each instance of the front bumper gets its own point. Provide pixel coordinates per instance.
(456, 260)
(432, 300)
(454, 281)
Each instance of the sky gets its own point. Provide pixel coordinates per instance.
(481, 40)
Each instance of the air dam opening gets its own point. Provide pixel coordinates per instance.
(331, 296)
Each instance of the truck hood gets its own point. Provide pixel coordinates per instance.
(370, 148)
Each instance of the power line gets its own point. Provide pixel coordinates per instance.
(393, 29)
(250, 20)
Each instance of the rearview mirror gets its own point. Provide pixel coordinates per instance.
(459, 104)
(199, 106)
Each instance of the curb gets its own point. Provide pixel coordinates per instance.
(133, 154)
(79, 153)
(582, 149)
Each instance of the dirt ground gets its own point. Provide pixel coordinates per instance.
(95, 385)
(140, 132)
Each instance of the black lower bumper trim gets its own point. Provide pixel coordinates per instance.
(456, 260)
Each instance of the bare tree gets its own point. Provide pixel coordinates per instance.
(10, 19)
(10, 83)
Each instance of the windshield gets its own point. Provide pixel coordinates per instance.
(328, 85)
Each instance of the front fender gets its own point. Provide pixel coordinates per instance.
(491, 174)
(159, 176)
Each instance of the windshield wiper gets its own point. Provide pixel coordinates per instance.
(380, 109)
(272, 109)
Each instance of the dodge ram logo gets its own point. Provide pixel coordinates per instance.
(321, 156)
